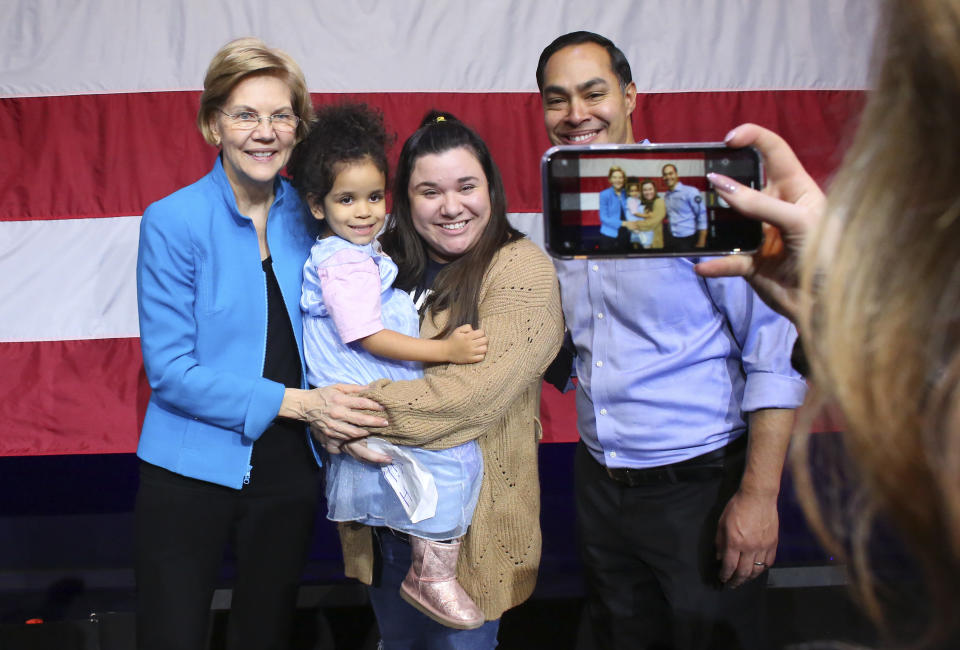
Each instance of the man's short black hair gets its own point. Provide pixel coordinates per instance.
(618, 62)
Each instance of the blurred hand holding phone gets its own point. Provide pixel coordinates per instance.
(646, 200)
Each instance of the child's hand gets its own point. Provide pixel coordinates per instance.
(466, 345)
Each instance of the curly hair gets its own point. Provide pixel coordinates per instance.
(339, 135)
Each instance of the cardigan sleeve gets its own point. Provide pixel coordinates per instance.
(656, 216)
(520, 314)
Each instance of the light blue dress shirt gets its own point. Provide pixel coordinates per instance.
(685, 210)
(669, 363)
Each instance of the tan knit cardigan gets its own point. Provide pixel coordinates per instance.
(497, 403)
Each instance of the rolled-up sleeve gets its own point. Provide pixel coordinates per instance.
(766, 341)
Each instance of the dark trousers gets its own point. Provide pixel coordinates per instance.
(182, 529)
(619, 243)
(688, 243)
(650, 561)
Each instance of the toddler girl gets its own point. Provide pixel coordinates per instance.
(357, 328)
(635, 210)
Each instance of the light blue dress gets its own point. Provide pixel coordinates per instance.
(358, 491)
(645, 237)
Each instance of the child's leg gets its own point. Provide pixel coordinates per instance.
(431, 584)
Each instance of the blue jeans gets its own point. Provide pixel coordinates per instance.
(404, 628)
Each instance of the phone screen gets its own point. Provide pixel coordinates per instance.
(646, 200)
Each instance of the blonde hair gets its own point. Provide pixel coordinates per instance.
(614, 169)
(246, 57)
(883, 325)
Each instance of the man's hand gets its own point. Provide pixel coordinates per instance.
(747, 537)
(748, 530)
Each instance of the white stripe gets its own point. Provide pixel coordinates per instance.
(73, 279)
(68, 279)
(585, 201)
(530, 224)
(650, 168)
(105, 46)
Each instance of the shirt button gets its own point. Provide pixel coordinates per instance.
(599, 364)
(603, 411)
(600, 315)
(596, 267)
(613, 454)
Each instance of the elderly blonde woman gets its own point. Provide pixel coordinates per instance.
(226, 457)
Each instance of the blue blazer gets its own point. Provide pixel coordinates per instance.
(611, 211)
(202, 301)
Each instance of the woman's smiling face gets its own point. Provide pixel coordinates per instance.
(449, 202)
(617, 180)
(255, 157)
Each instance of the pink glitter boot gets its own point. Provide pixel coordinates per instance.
(431, 585)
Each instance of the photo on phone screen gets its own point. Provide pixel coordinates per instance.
(646, 200)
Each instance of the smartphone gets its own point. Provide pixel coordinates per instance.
(646, 200)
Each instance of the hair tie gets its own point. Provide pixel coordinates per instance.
(440, 118)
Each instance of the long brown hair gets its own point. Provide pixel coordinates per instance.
(648, 205)
(457, 287)
(883, 327)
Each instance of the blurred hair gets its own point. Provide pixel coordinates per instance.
(617, 168)
(243, 58)
(457, 286)
(341, 134)
(883, 274)
(648, 204)
(618, 62)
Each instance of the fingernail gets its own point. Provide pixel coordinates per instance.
(722, 182)
(729, 136)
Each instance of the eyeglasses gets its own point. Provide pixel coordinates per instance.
(248, 120)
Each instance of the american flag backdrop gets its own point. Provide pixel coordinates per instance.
(98, 100)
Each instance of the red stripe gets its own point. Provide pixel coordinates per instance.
(72, 397)
(89, 397)
(674, 155)
(111, 155)
(558, 415)
(107, 155)
(593, 184)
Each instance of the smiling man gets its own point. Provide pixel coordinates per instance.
(585, 97)
(683, 405)
(686, 212)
